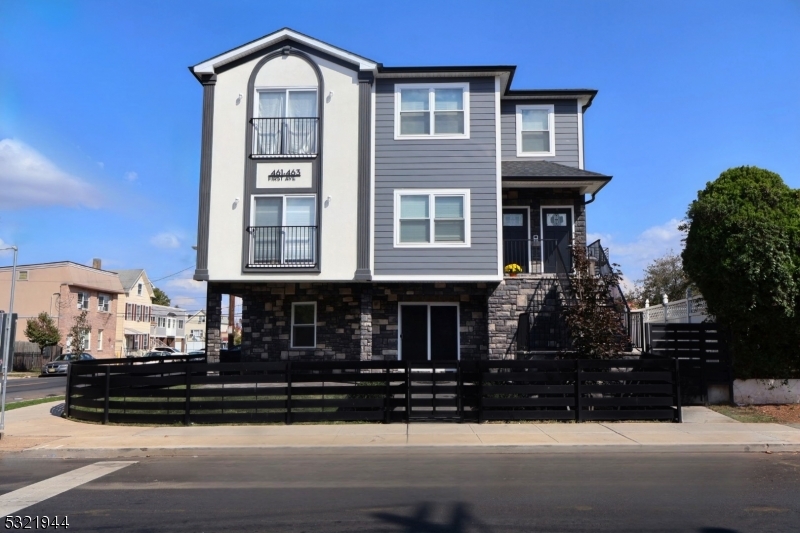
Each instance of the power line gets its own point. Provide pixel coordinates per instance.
(175, 274)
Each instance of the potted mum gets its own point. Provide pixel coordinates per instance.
(512, 269)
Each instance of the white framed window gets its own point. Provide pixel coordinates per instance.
(284, 230)
(83, 300)
(87, 340)
(536, 131)
(439, 110)
(99, 340)
(139, 289)
(304, 325)
(162, 322)
(431, 218)
(22, 275)
(103, 302)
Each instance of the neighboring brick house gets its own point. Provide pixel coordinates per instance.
(63, 290)
(367, 212)
(133, 322)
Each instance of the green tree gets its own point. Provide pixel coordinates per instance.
(42, 331)
(743, 252)
(593, 319)
(159, 297)
(78, 333)
(665, 275)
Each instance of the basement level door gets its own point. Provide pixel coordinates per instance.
(429, 332)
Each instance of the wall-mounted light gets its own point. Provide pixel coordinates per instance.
(235, 203)
(239, 99)
(327, 201)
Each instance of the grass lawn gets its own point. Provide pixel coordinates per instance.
(26, 403)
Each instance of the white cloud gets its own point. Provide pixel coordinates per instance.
(27, 178)
(165, 240)
(187, 284)
(4, 244)
(186, 292)
(634, 256)
(131, 176)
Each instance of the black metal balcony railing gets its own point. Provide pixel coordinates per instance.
(283, 246)
(528, 253)
(291, 137)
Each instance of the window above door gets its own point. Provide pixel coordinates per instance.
(536, 131)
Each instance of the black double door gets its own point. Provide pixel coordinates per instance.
(428, 332)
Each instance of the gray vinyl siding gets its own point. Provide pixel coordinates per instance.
(566, 124)
(433, 164)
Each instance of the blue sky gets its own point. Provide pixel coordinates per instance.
(100, 118)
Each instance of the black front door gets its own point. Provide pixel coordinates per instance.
(414, 332)
(417, 320)
(557, 238)
(444, 333)
(516, 248)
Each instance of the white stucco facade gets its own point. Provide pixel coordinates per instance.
(339, 166)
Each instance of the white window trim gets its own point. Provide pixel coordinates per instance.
(291, 329)
(398, 86)
(99, 340)
(85, 303)
(139, 289)
(550, 124)
(432, 206)
(285, 89)
(107, 299)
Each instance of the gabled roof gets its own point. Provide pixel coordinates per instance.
(548, 174)
(209, 66)
(128, 278)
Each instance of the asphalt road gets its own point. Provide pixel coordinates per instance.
(33, 388)
(440, 490)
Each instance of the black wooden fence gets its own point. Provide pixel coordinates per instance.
(705, 359)
(173, 390)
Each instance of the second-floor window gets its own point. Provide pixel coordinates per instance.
(438, 217)
(103, 302)
(83, 300)
(284, 230)
(438, 110)
(285, 122)
(535, 130)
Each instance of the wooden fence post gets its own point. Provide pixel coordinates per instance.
(187, 409)
(678, 389)
(288, 392)
(480, 391)
(108, 392)
(387, 408)
(578, 416)
(68, 391)
(459, 392)
(408, 392)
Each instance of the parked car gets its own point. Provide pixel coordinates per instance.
(168, 351)
(60, 364)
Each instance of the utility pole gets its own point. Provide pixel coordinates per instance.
(8, 351)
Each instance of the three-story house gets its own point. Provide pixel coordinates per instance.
(368, 212)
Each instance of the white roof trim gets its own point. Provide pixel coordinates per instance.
(209, 66)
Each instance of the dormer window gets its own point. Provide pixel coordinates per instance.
(439, 110)
(535, 131)
(285, 122)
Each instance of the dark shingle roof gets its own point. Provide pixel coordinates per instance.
(546, 169)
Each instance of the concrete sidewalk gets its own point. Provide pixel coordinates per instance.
(39, 428)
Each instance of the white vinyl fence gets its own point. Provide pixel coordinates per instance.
(685, 311)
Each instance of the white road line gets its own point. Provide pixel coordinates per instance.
(32, 494)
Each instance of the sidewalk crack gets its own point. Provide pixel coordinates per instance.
(620, 434)
(476, 433)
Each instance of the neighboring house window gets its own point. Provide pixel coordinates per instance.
(99, 340)
(22, 275)
(139, 289)
(103, 302)
(201, 320)
(162, 322)
(197, 334)
(438, 110)
(432, 218)
(87, 340)
(286, 122)
(83, 300)
(535, 130)
(180, 324)
(284, 230)
(304, 325)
